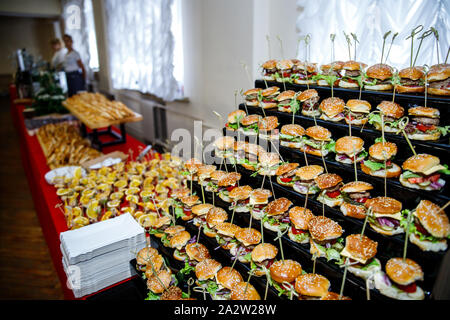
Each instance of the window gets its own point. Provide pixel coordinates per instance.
(92, 39)
(369, 20)
(145, 47)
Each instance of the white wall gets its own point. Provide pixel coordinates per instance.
(35, 8)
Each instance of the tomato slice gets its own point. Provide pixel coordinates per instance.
(361, 200)
(230, 188)
(411, 288)
(297, 231)
(187, 211)
(423, 127)
(416, 180)
(286, 74)
(434, 178)
(286, 180)
(333, 194)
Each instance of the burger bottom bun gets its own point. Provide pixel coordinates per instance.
(241, 209)
(365, 274)
(426, 245)
(292, 237)
(268, 226)
(267, 172)
(187, 218)
(300, 190)
(402, 89)
(393, 172)
(425, 136)
(394, 293)
(385, 232)
(357, 122)
(322, 83)
(269, 78)
(293, 145)
(405, 183)
(345, 84)
(331, 203)
(224, 197)
(209, 233)
(258, 273)
(438, 92)
(316, 152)
(257, 215)
(379, 87)
(248, 133)
(298, 81)
(178, 256)
(159, 235)
(252, 103)
(336, 118)
(312, 113)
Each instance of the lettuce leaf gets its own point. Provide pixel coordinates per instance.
(152, 296)
(374, 166)
(409, 174)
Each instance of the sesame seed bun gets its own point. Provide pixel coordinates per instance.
(201, 209)
(421, 163)
(250, 119)
(307, 94)
(206, 170)
(207, 269)
(384, 205)
(327, 180)
(285, 168)
(235, 115)
(424, 112)
(268, 123)
(391, 109)
(287, 271)
(312, 285)
(380, 71)
(403, 272)
(180, 239)
(239, 292)
(224, 143)
(260, 196)
(309, 172)
(323, 228)
(356, 105)
(284, 64)
(144, 255)
(252, 91)
(197, 251)
(228, 277)
(319, 133)
(227, 229)
(216, 216)
(379, 150)
(352, 65)
(153, 282)
(264, 251)
(332, 106)
(173, 230)
(356, 186)
(268, 159)
(337, 65)
(414, 73)
(438, 72)
(349, 145)
(270, 91)
(293, 130)
(217, 175)
(240, 193)
(269, 64)
(180, 193)
(300, 217)
(359, 248)
(354, 211)
(289, 94)
(190, 200)
(229, 179)
(278, 206)
(248, 236)
(434, 220)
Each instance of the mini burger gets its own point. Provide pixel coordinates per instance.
(200, 212)
(283, 275)
(244, 291)
(226, 279)
(310, 103)
(423, 124)
(299, 218)
(357, 112)
(224, 147)
(332, 109)
(311, 286)
(423, 172)
(268, 163)
(259, 198)
(355, 195)
(284, 70)
(251, 97)
(305, 73)
(285, 100)
(438, 78)
(143, 257)
(378, 153)
(159, 225)
(431, 227)
(226, 184)
(330, 185)
(276, 216)
(214, 217)
(204, 174)
(360, 253)
(268, 98)
(334, 296)
(215, 176)
(350, 149)
(412, 80)
(305, 183)
(392, 112)
(178, 242)
(154, 264)
(185, 211)
(269, 70)
(291, 136)
(399, 282)
(330, 72)
(317, 141)
(378, 77)
(225, 233)
(325, 238)
(246, 240)
(234, 119)
(206, 272)
(157, 283)
(267, 128)
(240, 198)
(196, 253)
(250, 159)
(351, 74)
(286, 174)
(249, 125)
(385, 215)
(263, 255)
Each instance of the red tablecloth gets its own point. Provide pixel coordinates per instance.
(44, 195)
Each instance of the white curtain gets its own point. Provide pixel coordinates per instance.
(76, 25)
(141, 46)
(370, 20)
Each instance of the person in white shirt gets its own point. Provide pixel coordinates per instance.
(59, 52)
(74, 68)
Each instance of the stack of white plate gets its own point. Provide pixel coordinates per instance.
(98, 255)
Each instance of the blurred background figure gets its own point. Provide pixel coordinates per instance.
(59, 53)
(74, 68)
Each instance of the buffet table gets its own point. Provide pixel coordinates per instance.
(44, 195)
